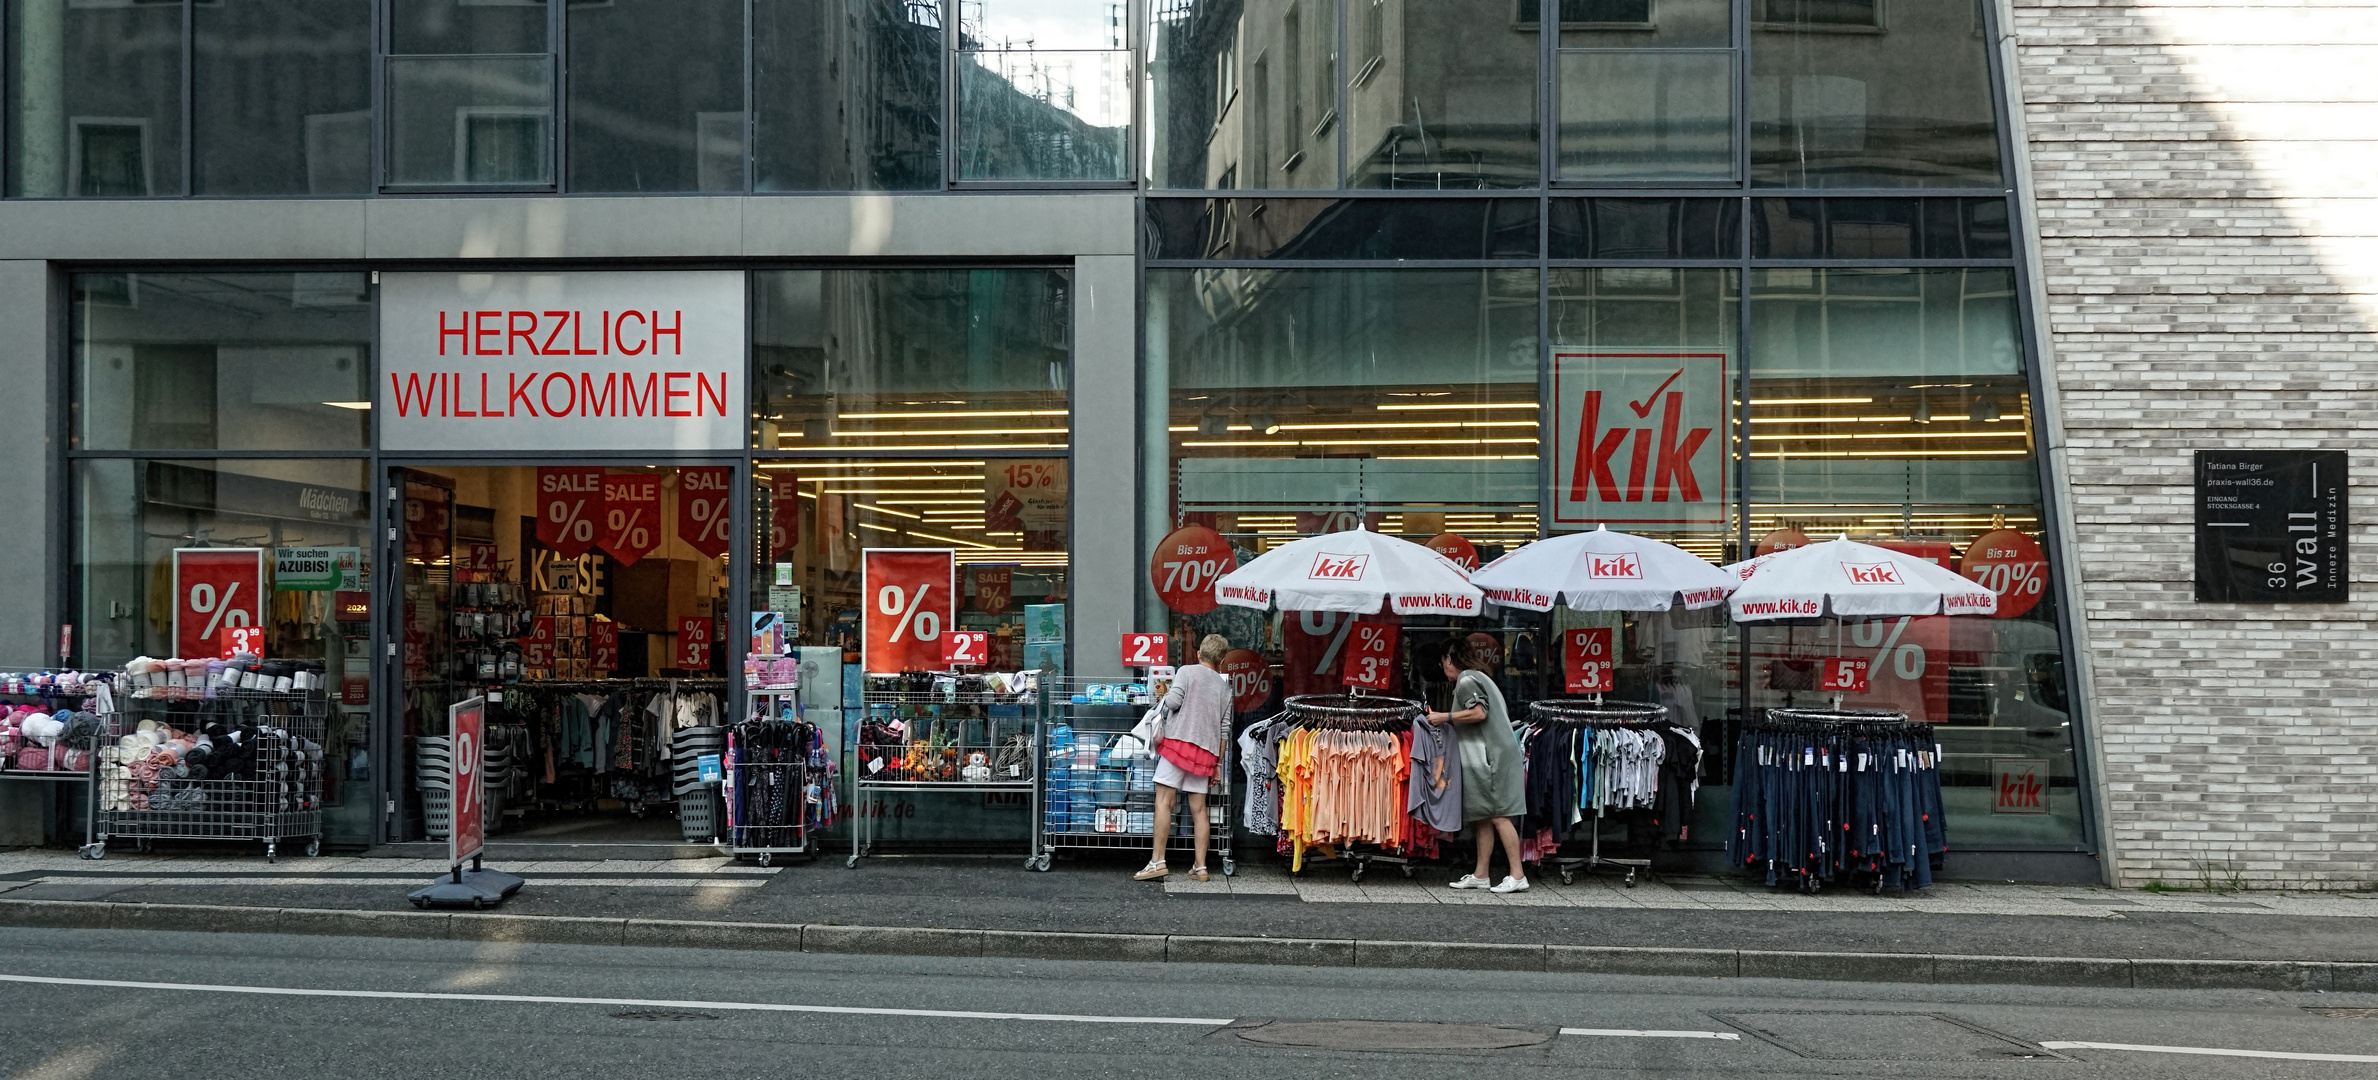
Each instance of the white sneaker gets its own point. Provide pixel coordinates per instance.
(1510, 884)
(1473, 881)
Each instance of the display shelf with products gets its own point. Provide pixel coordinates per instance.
(235, 753)
(943, 731)
(1098, 783)
(54, 725)
(782, 783)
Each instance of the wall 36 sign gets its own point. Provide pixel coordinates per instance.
(574, 361)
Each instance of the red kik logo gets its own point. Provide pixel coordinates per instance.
(1872, 573)
(1329, 566)
(1623, 565)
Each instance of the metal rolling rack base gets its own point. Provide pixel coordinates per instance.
(1567, 866)
(257, 810)
(1109, 721)
(921, 705)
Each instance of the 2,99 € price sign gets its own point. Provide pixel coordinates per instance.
(1843, 673)
(1586, 660)
(908, 596)
(1146, 650)
(1370, 656)
(215, 589)
(695, 635)
(966, 647)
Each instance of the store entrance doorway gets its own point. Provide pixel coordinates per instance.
(586, 602)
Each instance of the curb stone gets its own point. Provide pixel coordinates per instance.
(1188, 949)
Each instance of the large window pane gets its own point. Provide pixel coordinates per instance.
(1646, 229)
(1650, 115)
(95, 99)
(221, 361)
(467, 26)
(1439, 94)
(1244, 95)
(282, 97)
(1935, 228)
(470, 120)
(957, 362)
(1641, 24)
(1044, 115)
(1848, 94)
(656, 95)
(848, 94)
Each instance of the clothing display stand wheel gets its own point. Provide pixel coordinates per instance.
(962, 717)
(94, 846)
(273, 796)
(1357, 712)
(753, 784)
(1089, 801)
(1595, 712)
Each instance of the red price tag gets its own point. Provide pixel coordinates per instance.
(1250, 679)
(1586, 658)
(1844, 673)
(908, 598)
(605, 635)
(242, 639)
(694, 636)
(965, 647)
(1370, 656)
(1146, 650)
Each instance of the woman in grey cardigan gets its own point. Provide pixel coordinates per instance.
(1493, 789)
(1197, 717)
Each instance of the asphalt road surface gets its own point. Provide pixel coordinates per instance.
(157, 1006)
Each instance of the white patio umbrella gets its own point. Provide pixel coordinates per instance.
(1358, 571)
(1603, 571)
(1845, 579)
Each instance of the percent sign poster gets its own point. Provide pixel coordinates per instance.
(702, 508)
(215, 589)
(631, 515)
(909, 596)
(569, 509)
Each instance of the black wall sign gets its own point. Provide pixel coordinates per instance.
(2270, 526)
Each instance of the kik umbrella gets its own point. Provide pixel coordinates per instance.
(1357, 571)
(1846, 579)
(1603, 571)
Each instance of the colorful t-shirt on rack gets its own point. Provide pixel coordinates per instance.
(1435, 796)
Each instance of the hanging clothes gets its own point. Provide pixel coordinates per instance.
(1820, 795)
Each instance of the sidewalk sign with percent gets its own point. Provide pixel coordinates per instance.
(1845, 674)
(966, 647)
(1586, 661)
(1146, 650)
(469, 830)
(910, 598)
(1370, 656)
(215, 589)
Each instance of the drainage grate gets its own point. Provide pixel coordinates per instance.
(661, 1016)
(2343, 1014)
(1389, 1035)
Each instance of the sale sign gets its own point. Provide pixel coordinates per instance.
(1025, 496)
(784, 515)
(695, 635)
(1370, 656)
(1780, 540)
(536, 650)
(569, 506)
(1844, 674)
(1185, 565)
(242, 639)
(1456, 547)
(1146, 650)
(603, 635)
(1640, 437)
(631, 515)
(908, 596)
(994, 588)
(463, 776)
(702, 507)
(2010, 564)
(965, 647)
(1250, 679)
(215, 589)
(1588, 661)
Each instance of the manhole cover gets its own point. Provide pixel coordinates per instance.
(2344, 1014)
(661, 1016)
(1390, 1035)
(1884, 1036)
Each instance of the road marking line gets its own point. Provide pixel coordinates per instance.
(1630, 1033)
(2208, 1051)
(537, 999)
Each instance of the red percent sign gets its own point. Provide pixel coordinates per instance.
(1456, 547)
(1146, 650)
(605, 644)
(569, 506)
(1250, 679)
(631, 515)
(463, 777)
(536, 650)
(702, 508)
(1586, 660)
(966, 647)
(695, 633)
(1370, 656)
(784, 515)
(215, 589)
(2010, 564)
(1185, 566)
(1846, 674)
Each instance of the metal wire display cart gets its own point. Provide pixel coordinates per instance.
(1092, 799)
(241, 765)
(939, 732)
(1595, 713)
(769, 793)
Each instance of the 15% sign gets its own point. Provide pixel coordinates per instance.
(909, 599)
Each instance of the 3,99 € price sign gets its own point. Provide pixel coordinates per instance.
(908, 597)
(215, 589)
(695, 635)
(1370, 656)
(1586, 660)
(1146, 650)
(1843, 673)
(965, 647)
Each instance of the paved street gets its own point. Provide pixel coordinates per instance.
(250, 1006)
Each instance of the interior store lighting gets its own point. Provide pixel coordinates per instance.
(1759, 402)
(944, 415)
(1441, 405)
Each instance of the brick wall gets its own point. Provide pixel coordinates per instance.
(2207, 185)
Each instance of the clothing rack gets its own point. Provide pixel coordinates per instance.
(1599, 714)
(1353, 712)
(1836, 794)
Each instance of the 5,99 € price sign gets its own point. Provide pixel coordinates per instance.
(1846, 674)
(1370, 656)
(1586, 659)
(908, 597)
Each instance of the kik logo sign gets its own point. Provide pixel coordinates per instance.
(1641, 437)
(1333, 567)
(1623, 565)
(1879, 573)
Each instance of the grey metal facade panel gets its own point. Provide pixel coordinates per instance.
(1056, 225)
(1105, 461)
(28, 465)
(180, 229)
(553, 228)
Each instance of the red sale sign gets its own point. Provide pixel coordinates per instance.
(536, 650)
(2010, 564)
(702, 508)
(784, 515)
(1370, 656)
(603, 637)
(967, 647)
(994, 588)
(695, 635)
(1456, 547)
(569, 508)
(469, 831)
(242, 639)
(215, 589)
(631, 515)
(1146, 650)
(908, 596)
(1587, 660)
(1185, 565)
(1845, 674)
(1250, 679)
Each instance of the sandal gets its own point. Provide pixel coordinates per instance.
(1199, 874)
(1151, 872)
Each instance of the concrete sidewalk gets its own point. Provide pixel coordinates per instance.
(1712, 925)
